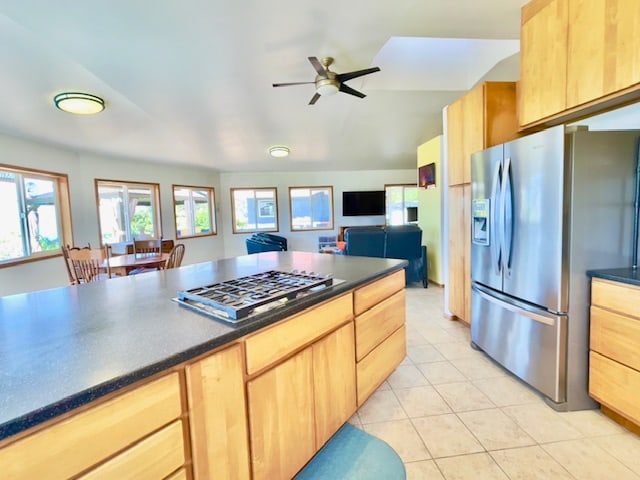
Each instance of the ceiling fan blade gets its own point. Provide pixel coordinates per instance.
(343, 77)
(344, 88)
(318, 66)
(314, 99)
(291, 83)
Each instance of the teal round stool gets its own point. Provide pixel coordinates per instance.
(352, 454)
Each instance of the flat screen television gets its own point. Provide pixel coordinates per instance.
(363, 203)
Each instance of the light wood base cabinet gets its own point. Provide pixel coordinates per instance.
(614, 359)
(380, 335)
(296, 406)
(114, 436)
(376, 367)
(281, 418)
(334, 380)
(217, 416)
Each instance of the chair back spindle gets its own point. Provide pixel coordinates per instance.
(175, 257)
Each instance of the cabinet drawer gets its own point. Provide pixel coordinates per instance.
(82, 440)
(378, 365)
(370, 295)
(179, 475)
(377, 323)
(155, 457)
(615, 386)
(269, 346)
(616, 336)
(619, 297)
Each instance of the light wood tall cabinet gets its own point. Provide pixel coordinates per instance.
(483, 117)
(614, 357)
(217, 416)
(578, 57)
(460, 252)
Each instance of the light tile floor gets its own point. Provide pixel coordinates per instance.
(453, 414)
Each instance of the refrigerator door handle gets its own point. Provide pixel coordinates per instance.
(506, 215)
(496, 242)
(520, 309)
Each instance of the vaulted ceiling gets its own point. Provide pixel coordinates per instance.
(190, 82)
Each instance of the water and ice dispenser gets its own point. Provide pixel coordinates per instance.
(480, 210)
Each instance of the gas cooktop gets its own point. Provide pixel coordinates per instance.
(238, 299)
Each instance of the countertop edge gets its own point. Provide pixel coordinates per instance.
(628, 275)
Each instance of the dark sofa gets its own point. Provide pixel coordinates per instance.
(398, 241)
(266, 242)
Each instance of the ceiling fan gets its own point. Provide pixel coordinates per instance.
(328, 82)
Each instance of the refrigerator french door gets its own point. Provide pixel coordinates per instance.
(517, 258)
(545, 209)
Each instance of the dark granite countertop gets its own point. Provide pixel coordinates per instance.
(64, 347)
(623, 275)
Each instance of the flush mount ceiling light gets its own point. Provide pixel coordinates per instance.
(327, 86)
(279, 151)
(79, 103)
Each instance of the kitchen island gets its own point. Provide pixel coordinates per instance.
(124, 362)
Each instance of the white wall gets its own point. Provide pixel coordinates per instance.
(82, 169)
(339, 180)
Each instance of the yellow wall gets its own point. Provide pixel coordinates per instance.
(430, 209)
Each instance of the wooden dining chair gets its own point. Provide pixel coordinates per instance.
(147, 245)
(175, 257)
(73, 280)
(88, 264)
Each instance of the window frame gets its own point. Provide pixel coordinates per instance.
(63, 217)
(211, 194)
(404, 202)
(235, 230)
(155, 187)
(329, 188)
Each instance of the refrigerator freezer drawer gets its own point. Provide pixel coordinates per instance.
(531, 344)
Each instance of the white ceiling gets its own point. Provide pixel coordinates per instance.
(190, 81)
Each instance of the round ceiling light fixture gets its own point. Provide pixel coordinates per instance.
(327, 86)
(279, 151)
(79, 103)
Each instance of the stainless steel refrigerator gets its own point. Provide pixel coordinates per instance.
(545, 209)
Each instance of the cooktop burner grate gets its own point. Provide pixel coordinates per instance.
(234, 300)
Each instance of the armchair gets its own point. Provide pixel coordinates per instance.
(405, 242)
(365, 241)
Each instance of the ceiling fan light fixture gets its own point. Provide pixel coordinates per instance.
(79, 103)
(279, 151)
(326, 87)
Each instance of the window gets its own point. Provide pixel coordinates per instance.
(35, 218)
(194, 209)
(311, 208)
(128, 210)
(398, 198)
(254, 210)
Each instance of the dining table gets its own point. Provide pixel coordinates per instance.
(125, 264)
